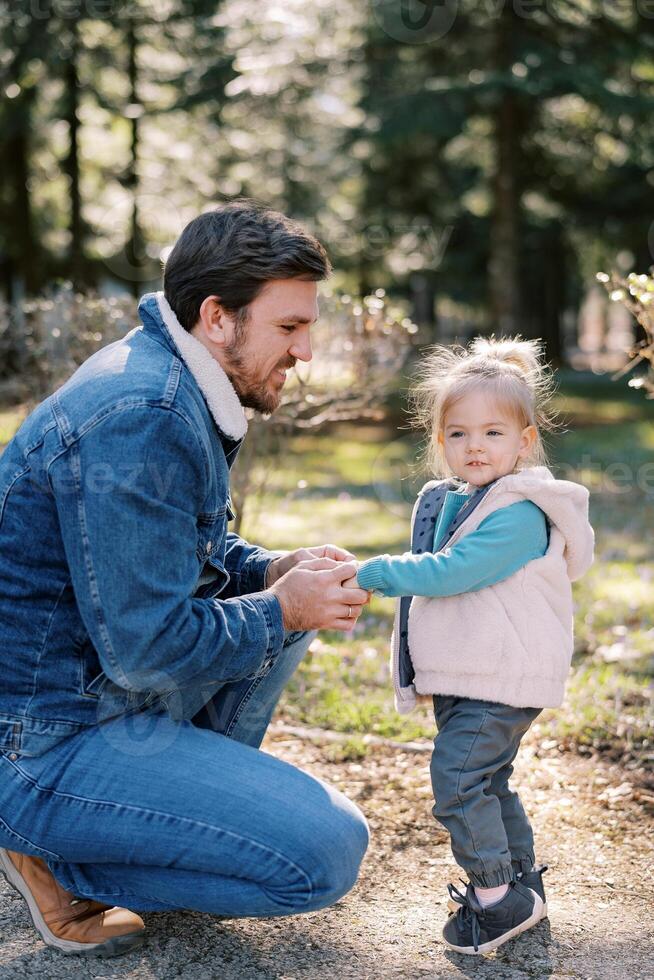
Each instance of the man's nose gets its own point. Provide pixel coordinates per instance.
(302, 348)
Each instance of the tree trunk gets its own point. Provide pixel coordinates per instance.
(71, 163)
(23, 248)
(422, 301)
(135, 248)
(504, 261)
(554, 278)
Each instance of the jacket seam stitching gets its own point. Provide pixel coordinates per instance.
(90, 570)
(127, 406)
(42, 437)
(115, 410)
(43, 645)
(5, 495)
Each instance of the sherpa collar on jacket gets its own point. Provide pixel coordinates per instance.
(216, 388)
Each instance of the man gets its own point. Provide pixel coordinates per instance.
(145, 646)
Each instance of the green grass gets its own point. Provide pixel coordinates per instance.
(10, 419)
(355, 486)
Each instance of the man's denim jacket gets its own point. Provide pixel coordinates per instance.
(114, 493)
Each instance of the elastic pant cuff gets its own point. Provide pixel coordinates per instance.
(523, 864)
(491, 879)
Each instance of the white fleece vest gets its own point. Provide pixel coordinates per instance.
(511, 642)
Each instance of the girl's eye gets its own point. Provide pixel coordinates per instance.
(494, 432)
(455, 435)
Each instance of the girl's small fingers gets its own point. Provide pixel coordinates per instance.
(355, 596)
(340, 554)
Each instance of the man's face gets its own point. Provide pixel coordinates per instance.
(273, 336)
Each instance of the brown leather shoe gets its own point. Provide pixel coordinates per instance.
(70, 924)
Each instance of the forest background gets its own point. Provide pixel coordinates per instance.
(470, 168)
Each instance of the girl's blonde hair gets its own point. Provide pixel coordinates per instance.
(512, 370)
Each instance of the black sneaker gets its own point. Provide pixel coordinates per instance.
(475, 930)
(532, 879)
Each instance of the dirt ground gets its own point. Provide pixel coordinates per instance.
(593, 829)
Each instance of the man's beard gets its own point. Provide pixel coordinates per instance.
(252, 391)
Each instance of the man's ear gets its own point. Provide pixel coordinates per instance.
(214, 323)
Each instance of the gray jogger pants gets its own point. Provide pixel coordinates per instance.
(471, 765)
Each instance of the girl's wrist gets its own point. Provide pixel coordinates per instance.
(370, 575)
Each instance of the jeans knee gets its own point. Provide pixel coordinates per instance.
(343, 848)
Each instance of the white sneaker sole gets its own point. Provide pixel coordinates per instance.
(533, 919)
(111, 947)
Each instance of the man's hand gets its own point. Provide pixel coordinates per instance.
(312, 596)
(351, 583)
(280, 566)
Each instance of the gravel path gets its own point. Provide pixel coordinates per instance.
(592, 827)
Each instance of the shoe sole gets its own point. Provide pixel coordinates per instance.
(115, 946)
(533, 919)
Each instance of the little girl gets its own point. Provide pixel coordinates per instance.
(486, 624)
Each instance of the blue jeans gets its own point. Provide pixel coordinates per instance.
(471, 765)
(177, 808)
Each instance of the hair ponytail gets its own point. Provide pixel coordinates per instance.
(526, 355)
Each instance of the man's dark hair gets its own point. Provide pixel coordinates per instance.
(232, 252)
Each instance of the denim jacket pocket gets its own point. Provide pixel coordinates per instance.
(211, 537)
(211, 550)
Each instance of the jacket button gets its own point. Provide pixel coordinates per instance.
(209, 545)
(13, 756)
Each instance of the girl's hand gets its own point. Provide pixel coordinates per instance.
(351, 583)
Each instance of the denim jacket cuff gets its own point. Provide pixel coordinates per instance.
(272, 614)
(253, 572)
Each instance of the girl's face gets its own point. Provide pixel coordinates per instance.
(481, 441)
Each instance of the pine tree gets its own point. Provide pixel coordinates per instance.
(510, 126)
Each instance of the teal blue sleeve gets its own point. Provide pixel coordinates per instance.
(504, 541)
